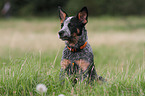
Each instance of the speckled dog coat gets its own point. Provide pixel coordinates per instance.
(77, 60)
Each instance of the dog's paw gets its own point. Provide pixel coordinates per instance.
(101, 80)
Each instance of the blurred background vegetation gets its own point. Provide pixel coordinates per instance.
(95, 7)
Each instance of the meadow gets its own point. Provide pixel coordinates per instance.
(30, 54)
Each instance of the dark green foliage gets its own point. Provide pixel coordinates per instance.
(96, 7)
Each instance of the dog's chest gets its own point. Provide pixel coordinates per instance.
(85, 54)
(82, 59)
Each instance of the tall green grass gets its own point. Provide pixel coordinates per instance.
(121, 63)
(123, 67)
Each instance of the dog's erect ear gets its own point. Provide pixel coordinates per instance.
(83, 15)
(62, 14)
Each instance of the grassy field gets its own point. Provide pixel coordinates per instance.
(30, 53)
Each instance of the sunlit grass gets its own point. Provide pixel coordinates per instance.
(123, 68)
(29, 57)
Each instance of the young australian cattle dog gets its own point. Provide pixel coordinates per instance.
(77, 60)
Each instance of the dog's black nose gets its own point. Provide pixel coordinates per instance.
(61, 33)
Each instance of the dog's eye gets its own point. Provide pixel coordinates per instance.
(70, 25)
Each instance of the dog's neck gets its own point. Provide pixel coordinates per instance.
(78, 41)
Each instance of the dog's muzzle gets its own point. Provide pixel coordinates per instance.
(62, 35)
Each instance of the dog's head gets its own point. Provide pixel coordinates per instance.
(71, 27)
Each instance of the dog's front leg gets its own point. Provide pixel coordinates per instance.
(64, 64)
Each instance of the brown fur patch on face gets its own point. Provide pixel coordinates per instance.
(65, 63)
(78, 31)
(83, 64)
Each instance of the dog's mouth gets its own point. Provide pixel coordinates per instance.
(64, 38)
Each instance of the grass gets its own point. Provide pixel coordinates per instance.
(120, 58)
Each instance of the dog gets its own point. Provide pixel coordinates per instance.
(77, 61)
